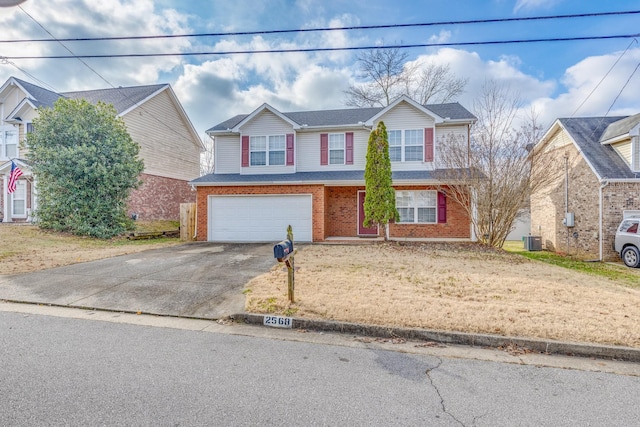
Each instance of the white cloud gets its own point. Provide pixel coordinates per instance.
(534, 4)
(88, 18)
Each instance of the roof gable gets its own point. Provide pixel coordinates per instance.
(603, 159)
(260, 109)
(620, 128)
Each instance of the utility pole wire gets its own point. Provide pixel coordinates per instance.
(331, 49)
(349, 28)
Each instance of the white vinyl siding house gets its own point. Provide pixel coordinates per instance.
(158, 148)
(169, 145)
(307, 167)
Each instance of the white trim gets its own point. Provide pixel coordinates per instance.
(436, 118)
(257, 111)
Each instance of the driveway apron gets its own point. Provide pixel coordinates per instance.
(194, 280)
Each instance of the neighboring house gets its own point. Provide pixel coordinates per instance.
(598, 178)
(306, 169)
(169, 145)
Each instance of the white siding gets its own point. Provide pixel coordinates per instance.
(558, 140)
(624, 149)
(166, 144)
(227, 154)
(405, 116)
(266, 123)
(11, 100)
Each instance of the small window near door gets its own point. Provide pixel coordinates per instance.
(19, 200)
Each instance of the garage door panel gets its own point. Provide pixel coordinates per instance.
(259, 218)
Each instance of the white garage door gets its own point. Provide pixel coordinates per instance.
(259, 218)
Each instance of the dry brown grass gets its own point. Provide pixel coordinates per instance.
(26, 248)
(459, 287)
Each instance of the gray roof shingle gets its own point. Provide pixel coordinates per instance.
(122, 98)
(308, 177)
(42, 97)
(349, 116)
(587, 133)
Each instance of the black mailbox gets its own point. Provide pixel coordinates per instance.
(283, 249)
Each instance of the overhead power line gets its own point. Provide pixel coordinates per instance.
(348, 28)
(327, 49)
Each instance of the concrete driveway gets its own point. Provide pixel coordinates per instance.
(196, 280)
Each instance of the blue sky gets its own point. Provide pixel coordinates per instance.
(554, 78)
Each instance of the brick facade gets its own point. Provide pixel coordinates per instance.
(582, 240)
(159, 198)
(335, 212)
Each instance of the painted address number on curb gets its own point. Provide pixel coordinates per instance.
(278, 321)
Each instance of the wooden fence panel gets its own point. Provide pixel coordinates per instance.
(187, 221)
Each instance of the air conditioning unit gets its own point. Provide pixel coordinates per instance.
(532, 243)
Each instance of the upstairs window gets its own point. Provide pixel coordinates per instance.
(395, 145)
(635, 154)
(407, 145)
(277, 145)
(336, 148)
(267, 151)
(9, 143)
(258, 150)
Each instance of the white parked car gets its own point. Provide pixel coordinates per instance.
(627, 242)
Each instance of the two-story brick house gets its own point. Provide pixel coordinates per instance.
(306, 169)
(169, 145)
(597, 180)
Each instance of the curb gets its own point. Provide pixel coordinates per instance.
(597, 351)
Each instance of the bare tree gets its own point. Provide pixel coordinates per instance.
(387, 74)
(491, 175)
(434, 83)
(206, 157)
(383, 72)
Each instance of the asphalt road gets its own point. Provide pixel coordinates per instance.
(195, 280)
(65, 371)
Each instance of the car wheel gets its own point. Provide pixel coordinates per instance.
(631, 256)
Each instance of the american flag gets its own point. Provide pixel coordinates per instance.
(13, 177)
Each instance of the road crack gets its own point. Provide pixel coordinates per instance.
(435, 387)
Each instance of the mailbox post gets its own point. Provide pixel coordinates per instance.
(284, 252)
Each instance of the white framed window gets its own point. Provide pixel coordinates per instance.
(19, 200)
(406, 145)
(336, 148)
(395, 145)
(277, 146)
(9, 142)
(267, 150)
(417, 206)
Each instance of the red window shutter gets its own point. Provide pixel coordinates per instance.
(428, 144)
(290, 151)
(348, 152)
(245, 151)
(442, 208)
(324, 148)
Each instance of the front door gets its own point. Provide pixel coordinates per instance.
(362, 230)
